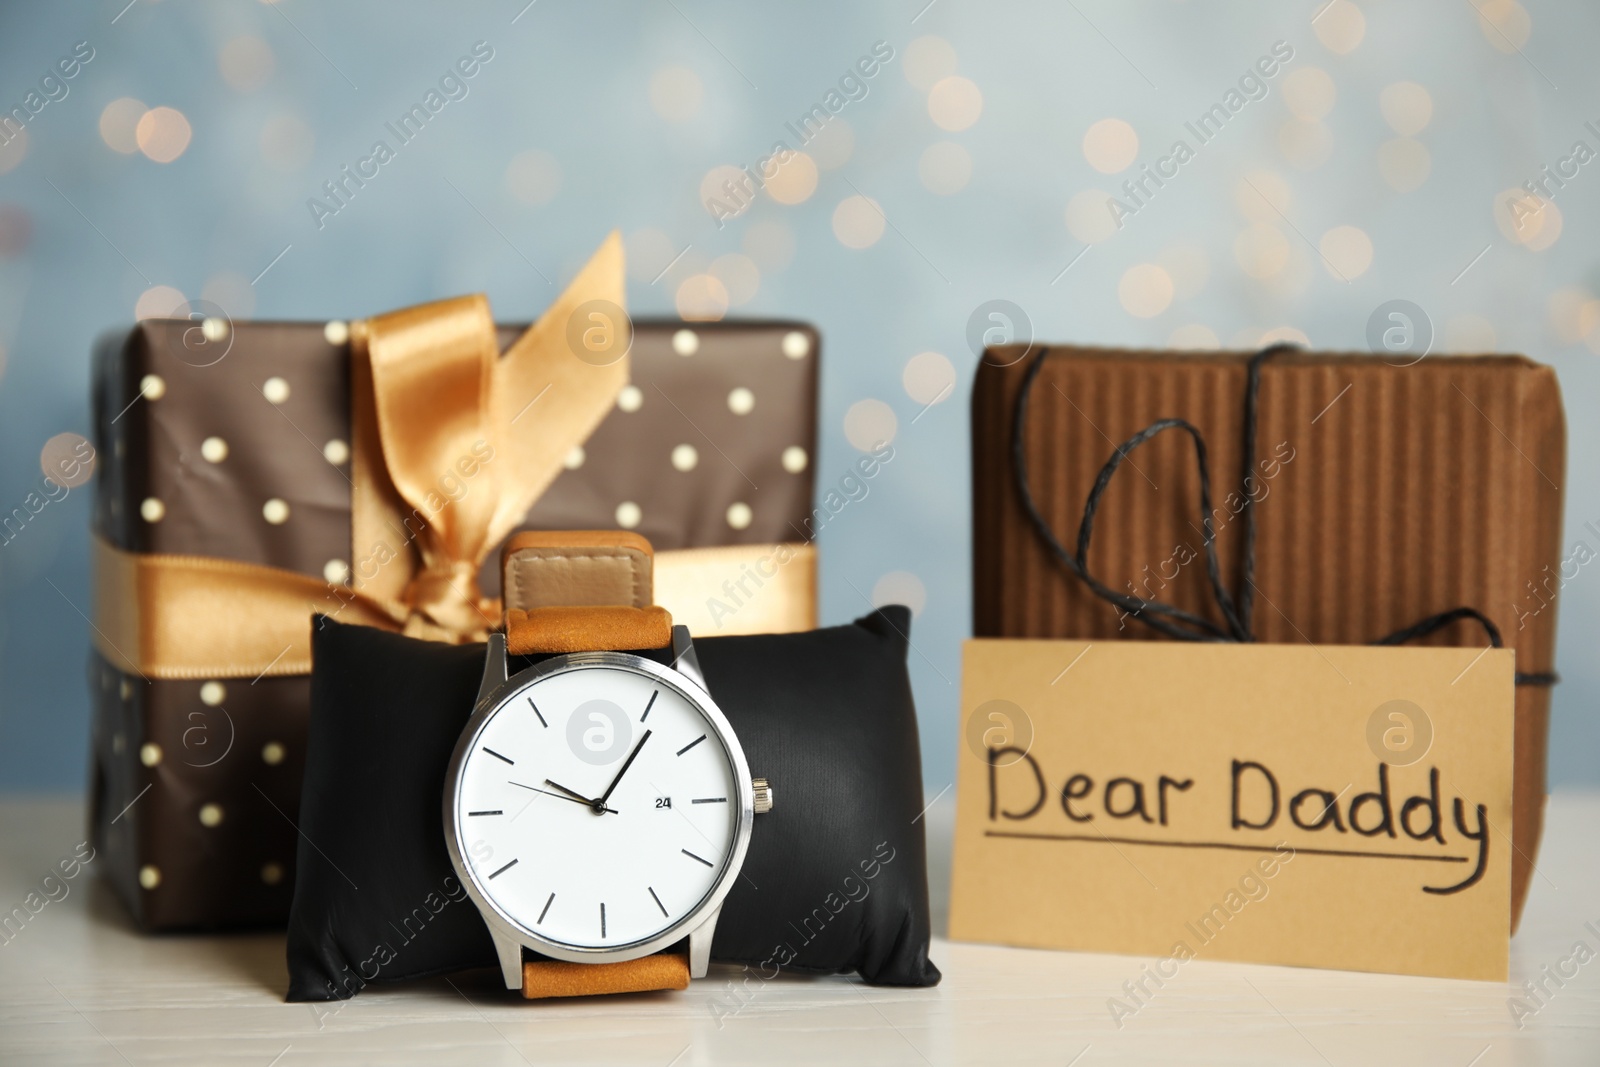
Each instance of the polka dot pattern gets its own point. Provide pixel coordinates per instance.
(796, 345)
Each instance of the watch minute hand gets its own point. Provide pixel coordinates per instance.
(625, 765)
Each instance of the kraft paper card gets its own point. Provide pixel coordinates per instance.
(1319, 806)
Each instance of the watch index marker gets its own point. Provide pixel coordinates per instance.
(657, 899)
(602, 918)
(546, 910)
(691, 744)
(497, 811)
(709, 800)
(692, 856)
(503, 870)
(497, 756)
(649, 705)
(539, 713)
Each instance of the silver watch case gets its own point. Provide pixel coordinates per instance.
(496, 689)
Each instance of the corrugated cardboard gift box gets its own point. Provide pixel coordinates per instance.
(253, 473)
(1383, 494)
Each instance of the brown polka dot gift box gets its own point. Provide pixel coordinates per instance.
(256, 473)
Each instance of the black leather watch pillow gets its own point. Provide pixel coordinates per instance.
(835, 878)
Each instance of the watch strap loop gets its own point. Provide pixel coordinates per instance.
(607, 629)
(581, 591)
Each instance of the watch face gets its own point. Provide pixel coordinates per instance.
(597, 806)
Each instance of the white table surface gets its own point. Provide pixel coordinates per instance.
(79, 986)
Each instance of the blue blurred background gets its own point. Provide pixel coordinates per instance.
(1382, 161)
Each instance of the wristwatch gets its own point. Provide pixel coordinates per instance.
(598, 806)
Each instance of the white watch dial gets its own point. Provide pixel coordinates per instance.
(597, 807)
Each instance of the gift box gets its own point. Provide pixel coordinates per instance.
(1382, 495)
(255, 473)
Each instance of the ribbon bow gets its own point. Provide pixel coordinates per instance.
(452, 444)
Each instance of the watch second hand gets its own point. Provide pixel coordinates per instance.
(574, 798)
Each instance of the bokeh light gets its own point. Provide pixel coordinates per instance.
(119, 122)
(929, 378)
(858, 222)
(1261, 250)
(1407, 107)
(868, 424)
(1262, 196)
(1506, 24)
(1346, 252)
(794, 180)
(246, 63)
(1145, 291)
(954, 103)
(1110, 146)
(1306, 145)
(701, 298)
(676, 93)
(163, 134)
(1309, 93)
(158, 302)
(534, 177)
(1340, 27)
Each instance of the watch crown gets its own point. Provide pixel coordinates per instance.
(763, 795)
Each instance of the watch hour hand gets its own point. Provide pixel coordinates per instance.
(573, 797)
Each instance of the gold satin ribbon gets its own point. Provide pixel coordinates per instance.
(452, 444)
(177, 617)
(433, 396)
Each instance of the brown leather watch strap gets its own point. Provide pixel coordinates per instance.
(580, 591)
(553, 978)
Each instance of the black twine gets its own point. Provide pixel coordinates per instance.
(1170, 619)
